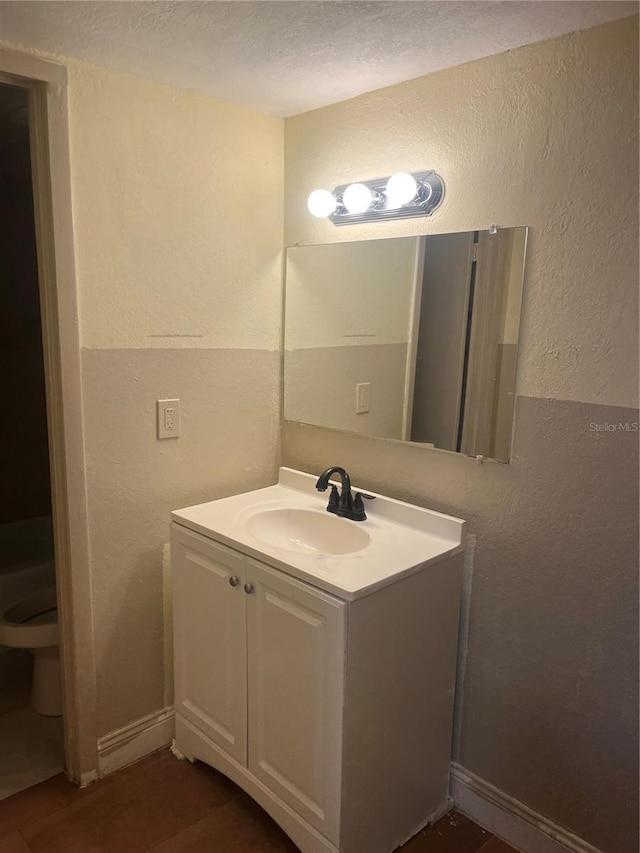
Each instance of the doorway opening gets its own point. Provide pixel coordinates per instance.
(61, 527)
(31, 724)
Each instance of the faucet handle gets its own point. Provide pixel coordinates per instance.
(334, 499)
(358, 513)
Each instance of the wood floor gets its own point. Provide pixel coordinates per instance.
(164, 805)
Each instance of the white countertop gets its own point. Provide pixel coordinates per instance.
(403, 538)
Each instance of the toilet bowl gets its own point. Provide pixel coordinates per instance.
(32, 623)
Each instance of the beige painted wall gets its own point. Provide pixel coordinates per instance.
(177, 202)
(544, 136)
(179, 275)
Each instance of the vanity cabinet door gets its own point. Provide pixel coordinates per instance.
(295, 677)
(210, 640)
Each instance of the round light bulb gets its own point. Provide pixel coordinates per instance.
(401, 189)
(321, 203)
(357, 198)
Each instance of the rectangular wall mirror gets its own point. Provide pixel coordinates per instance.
(408, 338)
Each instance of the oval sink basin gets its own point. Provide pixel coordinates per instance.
(307, 531)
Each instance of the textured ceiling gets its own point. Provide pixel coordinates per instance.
(289, 57)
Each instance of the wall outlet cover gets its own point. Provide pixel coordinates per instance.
(168, 418)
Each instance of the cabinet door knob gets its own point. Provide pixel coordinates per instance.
(248, 588)
(233, 580)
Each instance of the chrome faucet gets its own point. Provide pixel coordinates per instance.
(344, 505)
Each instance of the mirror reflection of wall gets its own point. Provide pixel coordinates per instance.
(411, 338)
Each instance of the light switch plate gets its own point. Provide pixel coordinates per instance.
(168, 418)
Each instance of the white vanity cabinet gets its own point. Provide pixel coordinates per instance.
(259, 660)
(334, 713)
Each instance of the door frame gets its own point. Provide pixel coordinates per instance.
(46, 83)
(412, 342)
(492, 255)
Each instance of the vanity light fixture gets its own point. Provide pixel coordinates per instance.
(400, 196)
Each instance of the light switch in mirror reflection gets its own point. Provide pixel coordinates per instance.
(431, 323)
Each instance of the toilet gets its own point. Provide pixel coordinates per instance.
(32, 623)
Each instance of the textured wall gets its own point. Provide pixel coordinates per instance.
(544, 136)
(179, 275)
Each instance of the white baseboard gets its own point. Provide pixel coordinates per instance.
(509, 819)
(131, 742)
